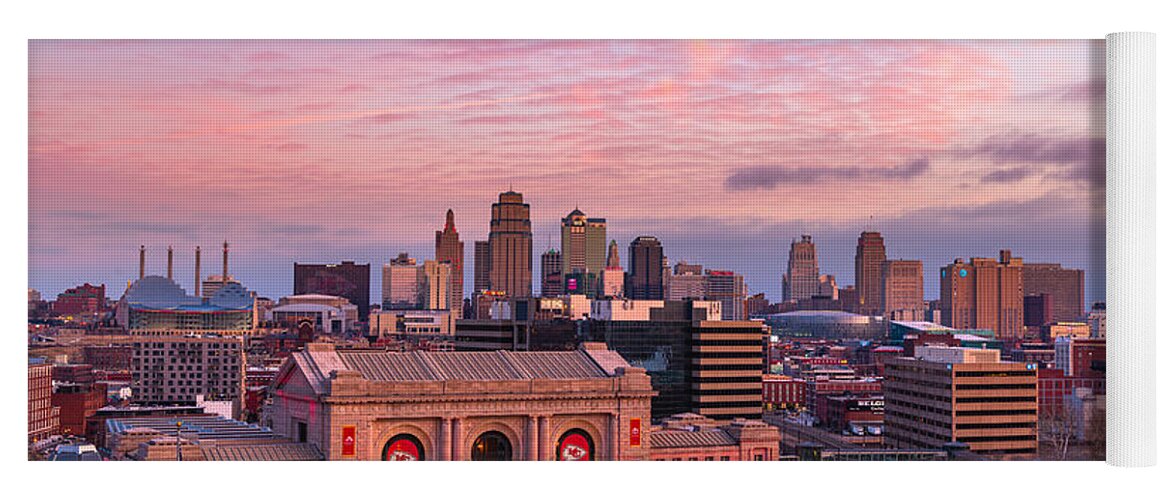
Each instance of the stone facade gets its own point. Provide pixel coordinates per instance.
(441, 403)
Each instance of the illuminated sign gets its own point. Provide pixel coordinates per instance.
(349, 441)
(575, 446)
(635, 432)
(403, 448)
(572, 284)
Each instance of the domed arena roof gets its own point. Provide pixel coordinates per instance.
(157, 292)
(232, 296)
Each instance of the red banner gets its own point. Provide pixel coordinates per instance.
(635, 432)
(349, 441)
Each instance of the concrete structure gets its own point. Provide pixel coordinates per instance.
(450, 250)
(727, 368)
(1067, 287)
(510, 241)
(902, 290)
(947, 394)
(323, 318)
(644, 281)
(868, 261)
(577, 405)
(400, 283)
(647, 310)
(827, 286)
(175, 370)
(1097, 320)
(801, 277)
(412, 322)
(343, 304)
(984, 293)
(346, 279)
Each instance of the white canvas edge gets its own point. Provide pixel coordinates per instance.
(1130, 249)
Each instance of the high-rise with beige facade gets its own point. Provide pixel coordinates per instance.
(801, 278)
(984, 294)
(946, 394)
(450, 250)
(510, 241)
(902, 290)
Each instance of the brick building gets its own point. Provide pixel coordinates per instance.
(43, 417)
(76, 403)
(692, 437)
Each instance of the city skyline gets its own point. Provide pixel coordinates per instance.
(949, 149)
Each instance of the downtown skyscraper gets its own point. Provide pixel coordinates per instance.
(510, 243)
(801, 280)
(868, 262)
(450, 250)
(645, 279)
(583, 243)
(984, 293)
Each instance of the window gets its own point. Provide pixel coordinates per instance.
(492, 446)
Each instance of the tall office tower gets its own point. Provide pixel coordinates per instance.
(400, 283)
(583, 243)
(552, 282)
(868, 272)
(1038, 311)
(510, 241)
(827, 286)
(645, 279)
(727, 381)
(347, 279)
(984, 293)
(449, 249)
(801, 279)
(946, 394)
(687, 282)
(482, 267)
(728, 288)
(613, 277)
(902, 290)
(1067, 287)
(433, 279)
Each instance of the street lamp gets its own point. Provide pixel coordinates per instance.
(178, 445)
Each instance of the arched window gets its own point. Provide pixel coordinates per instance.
(492, 446)
(403, 447)
(575, 445)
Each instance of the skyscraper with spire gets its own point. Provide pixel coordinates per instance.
(450, 250)
(510, 243)
(613, 277)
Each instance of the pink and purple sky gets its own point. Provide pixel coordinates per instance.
(318, 151)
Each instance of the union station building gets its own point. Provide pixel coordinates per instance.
(587, 404)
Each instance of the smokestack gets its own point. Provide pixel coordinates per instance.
(170, 263)
(197, 278)
(141, 261)
(225, 275)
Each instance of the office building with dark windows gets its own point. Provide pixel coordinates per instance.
(346, 279)
(644, 278)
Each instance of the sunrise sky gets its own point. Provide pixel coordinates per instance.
(318, 151)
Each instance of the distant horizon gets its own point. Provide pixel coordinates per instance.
(725, 150)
